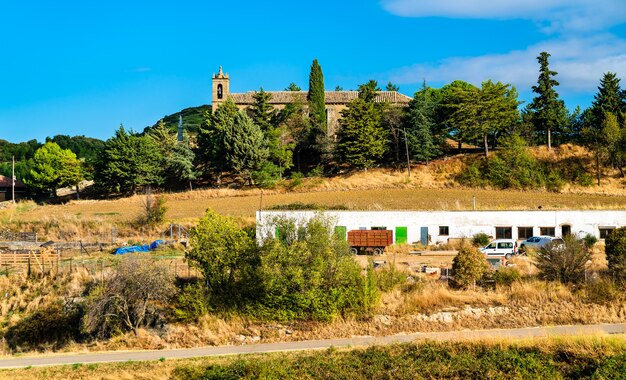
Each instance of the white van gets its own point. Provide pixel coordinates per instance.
(501, 247)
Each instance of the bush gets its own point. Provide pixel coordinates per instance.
(512, 167)
(52, 326)
(468, 266)
(130, 299)
(388, 277)
(193, 302)
(590, 240)
(267, 176)
(224, 254)
(506, 276)
(616, 252)
(564, 262)
(481, 239)
(154, 210)
(601, 291)
(307, 274)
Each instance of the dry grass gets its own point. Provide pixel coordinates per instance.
(429, 188)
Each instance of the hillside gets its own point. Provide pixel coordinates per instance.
(192, 118)
(431, 187)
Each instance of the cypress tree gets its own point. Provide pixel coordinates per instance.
(549, 111)
(316, 97)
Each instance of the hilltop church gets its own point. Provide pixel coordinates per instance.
(335, 100)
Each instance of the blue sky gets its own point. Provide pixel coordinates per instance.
(83, 68)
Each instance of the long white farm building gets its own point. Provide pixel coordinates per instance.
(440, 226)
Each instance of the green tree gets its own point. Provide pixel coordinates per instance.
(127, 162)
(180, 164)
(211, 151)
(307, 273)
(296, 131)
(610, 98)
(616, 252)
(362, 139)
(261, 111)
(317, 98)
(54, 167)
(392, 87)
(421, 122)
(549, 112)
(457, 110)
(483, 112)
(280, 145)
(468, 266)
(223, 253)
(245, 146)
(369, 90)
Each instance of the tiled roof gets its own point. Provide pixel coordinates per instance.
(332, 97)
(6, 182)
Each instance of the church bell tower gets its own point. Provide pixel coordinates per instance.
(221, 89)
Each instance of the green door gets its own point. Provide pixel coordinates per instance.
(401, 235)
(341, 232)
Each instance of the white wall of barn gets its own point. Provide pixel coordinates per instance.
(460, 223)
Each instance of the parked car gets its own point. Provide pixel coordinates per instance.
(536, 242)
(500, 247)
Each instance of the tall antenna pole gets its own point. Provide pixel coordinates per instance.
(13, 179)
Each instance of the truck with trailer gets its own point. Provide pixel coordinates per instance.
(369, 241)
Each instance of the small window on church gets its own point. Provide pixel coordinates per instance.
(219, 91)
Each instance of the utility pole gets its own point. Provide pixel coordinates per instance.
(408, 159)
(13, 179)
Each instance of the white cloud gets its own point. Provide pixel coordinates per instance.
(555, 15)
(580, 63)
(581, 50)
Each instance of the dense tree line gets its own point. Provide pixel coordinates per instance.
(260, 145)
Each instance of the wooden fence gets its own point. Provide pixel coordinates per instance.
(28, 261)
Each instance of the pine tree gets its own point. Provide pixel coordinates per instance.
(362, 139)
(421, 123)
(317, 98)
(549, 113)
(265, 116)
(245, 146)
(610, 98)
(262, 112)
(211, 150)
(127, 162)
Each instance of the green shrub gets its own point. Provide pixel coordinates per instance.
(193, 302)
(564, 262)
(267, 176)
(506, 276)
(590, 240)
(585, 180)
(52, 326)
(432, 360)
(616, 252)
(601, 291)
(389, 277)
(296, 180)
(481, 239)
(317, 171)
(468, 267)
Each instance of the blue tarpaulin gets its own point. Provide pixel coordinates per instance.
(139, 248)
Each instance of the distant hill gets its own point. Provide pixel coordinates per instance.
(192, 118)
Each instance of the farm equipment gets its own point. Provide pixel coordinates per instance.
(367, 241)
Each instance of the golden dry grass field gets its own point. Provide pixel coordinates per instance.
(430, 187)
(191, 205)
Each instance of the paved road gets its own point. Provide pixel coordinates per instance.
(122, 356)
